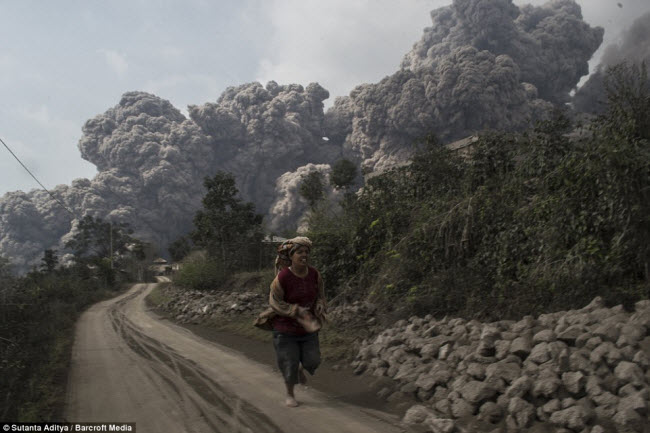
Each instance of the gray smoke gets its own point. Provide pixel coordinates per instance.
(634, 48)
(289, 206)
(258, 133)
(151, 161)
(482, 64)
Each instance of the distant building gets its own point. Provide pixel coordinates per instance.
(159, 266)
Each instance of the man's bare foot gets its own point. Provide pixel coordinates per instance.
(302, 378)
(291, 402)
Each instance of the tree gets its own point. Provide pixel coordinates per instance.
(98, 239)
(180, 248)
(312, 188)
(343, 174)
(49, 261)
(226, 227)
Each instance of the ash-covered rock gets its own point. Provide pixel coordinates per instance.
(578, 370)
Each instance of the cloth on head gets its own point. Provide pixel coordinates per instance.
(286, 249)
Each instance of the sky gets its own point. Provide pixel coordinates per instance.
(64, 62)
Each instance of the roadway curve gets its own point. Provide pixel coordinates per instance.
(128, 365)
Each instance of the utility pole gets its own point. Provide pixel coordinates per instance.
(111, 237)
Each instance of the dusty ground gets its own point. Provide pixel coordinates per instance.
(128, 365)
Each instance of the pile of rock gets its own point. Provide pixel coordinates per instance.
(583, 370)
(193, 306)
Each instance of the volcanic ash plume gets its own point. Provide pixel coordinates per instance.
(289, 206)
(634, 48)
(258, 133)
(483, 64)
(151, 162)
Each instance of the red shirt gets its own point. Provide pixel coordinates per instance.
(301, 291)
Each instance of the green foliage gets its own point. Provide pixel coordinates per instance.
(312, 188)
(201, 273)
(532, 222)
(344, 172)
(180, 248)
(37, 320)
(227, 228)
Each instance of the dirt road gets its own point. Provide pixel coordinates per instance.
(128, 365)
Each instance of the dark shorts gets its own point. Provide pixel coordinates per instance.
(293, 350)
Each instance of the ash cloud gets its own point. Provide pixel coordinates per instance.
(634, 48)
(483, 64)
(289, 206)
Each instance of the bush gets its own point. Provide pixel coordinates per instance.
(199, 272)
(531, 222)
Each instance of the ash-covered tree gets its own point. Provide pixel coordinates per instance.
(50, 261)
(228, 228)
(344, 172)
(312, 188)
(104, 246)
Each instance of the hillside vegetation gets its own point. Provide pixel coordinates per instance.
(531, 222)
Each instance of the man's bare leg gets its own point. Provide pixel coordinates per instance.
(291, 399)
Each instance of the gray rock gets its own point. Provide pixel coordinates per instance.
(439, 425)
(607, 404)
(574, 418)
(593, 342)
(502, 348)
(409, 388)
(579, 361)
(581, 341)
(607, 332)
(544, 336)
(519, 387)
(629, 420)
(521, 346)
(488, 338)
(574, 382)
(476, 370)
(461, 408)
(522, 412)
(426, 381)
(571, 334)
(546, 385)
(507, 371)
(477, 392)
(641, 359)
(593, 386)
(633, 402)
(540, 353)
(595, 304)
(628, 372)
(440, 376)
(361, 367)
(417, 414)
(443, 406)
(490, 412)
(444, 351)
(527, 323)
(606, 352)
(552, 406)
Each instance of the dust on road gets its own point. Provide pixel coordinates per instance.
(130, 366)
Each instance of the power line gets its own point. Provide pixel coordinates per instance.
(39, 182)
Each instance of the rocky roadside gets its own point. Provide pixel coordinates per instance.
(582, 370)
(575, 371)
